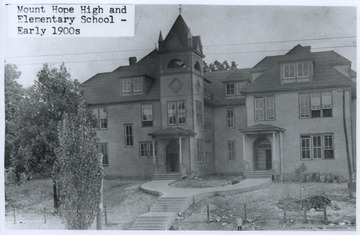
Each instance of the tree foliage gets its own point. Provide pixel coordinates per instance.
(37, 117)
(13, 96)
(218, 66)
(79, 170)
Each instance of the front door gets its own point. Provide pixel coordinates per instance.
(262, 155)
(172, 157)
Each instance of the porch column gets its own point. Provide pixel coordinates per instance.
(274, 146)
(180, 151)
(244, 154)
(281, 158)
(153, 151)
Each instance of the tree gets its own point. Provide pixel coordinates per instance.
(79, 171)
(36, 121)
(13, 96)
(217, 66)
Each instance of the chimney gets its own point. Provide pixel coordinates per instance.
(132, 61)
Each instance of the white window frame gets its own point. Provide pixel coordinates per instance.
(317, 150)
(230, 119)
(180, 112)
(231, 150)
(199, 113)
(126, 85)
(101, 116)
(149, 121)
(148, 151)
(264, 108)
(129, 137)
(306, 107)
(138, 85)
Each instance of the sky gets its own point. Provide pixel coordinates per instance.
(244, 34)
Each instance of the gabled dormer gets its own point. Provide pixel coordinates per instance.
(296, 71)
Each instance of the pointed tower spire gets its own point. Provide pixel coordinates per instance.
(190, 38)
(180, 9)
(160, 37)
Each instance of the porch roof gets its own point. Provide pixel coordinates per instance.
(172, 132)
(261, 128)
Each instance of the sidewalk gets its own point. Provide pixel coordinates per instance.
(174, 200)
(162, 188)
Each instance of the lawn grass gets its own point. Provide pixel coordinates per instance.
(123, 199)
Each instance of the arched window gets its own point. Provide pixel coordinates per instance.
(176, 63)
(197, 66)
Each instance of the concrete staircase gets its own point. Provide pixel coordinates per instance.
(167, 176)
(153, 221)
(170, 204)
(259, 174)
(161, 214)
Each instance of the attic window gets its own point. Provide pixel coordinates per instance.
(197, 66)
(296, 72)
(176, 63)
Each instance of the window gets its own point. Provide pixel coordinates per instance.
(199, 113)
(137, 84)
(176, 63)
(264, 108)
(317, 146)
(230, 118)
(234, 88)
(176, 113)
(296, 70)
(315, 105)
(146, 149)
(289, 70)
(208, 117)
(231, 150)
(129, 135)
(100, 118)
(208, 151)
(132, 85)
(147, 114)
(200, 151)
(126, 85)
(197, 66)
(103, 149)
(230, 89)
(303, 69)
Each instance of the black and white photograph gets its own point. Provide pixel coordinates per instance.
(184, 116)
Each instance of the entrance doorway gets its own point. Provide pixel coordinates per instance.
(172, 157)
(262, 154)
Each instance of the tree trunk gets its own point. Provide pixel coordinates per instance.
(56, 197)
(347, 148)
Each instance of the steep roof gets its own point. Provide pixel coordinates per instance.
(218, 79)
(324, 73)
(103, 88)
(180, 38)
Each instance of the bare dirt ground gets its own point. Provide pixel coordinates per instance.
(123, 199)
(263, 209)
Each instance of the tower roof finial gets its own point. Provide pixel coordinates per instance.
(180, 9)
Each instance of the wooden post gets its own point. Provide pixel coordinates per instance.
(285, 213)
(44, 215)
(305, 216)
(208, 213)
(99, 213)
(14, 215)
(105, 215)
(245, 220)
(325, 217)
